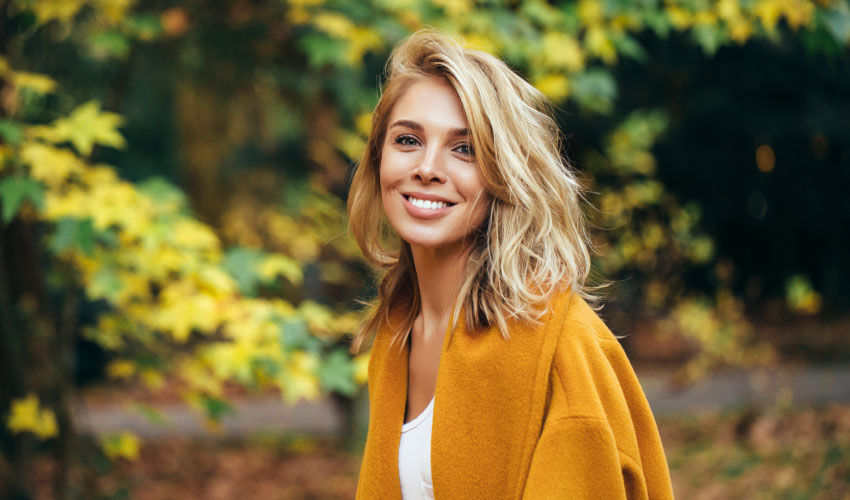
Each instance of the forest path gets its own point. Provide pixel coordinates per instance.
(803, 386)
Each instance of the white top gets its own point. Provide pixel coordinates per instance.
(414, 457)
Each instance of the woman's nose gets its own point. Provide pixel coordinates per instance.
(431, 167)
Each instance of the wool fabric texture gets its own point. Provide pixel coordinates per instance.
(556, 411)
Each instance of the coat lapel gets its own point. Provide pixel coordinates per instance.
(488, 411)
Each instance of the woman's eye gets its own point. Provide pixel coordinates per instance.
(406, 140)
(464, 149)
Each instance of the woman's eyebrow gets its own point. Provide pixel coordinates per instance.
(454, 132)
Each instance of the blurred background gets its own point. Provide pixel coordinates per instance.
(178, 291)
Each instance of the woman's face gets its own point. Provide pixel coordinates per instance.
(429, 177)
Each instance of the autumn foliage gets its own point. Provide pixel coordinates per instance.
(220, 279)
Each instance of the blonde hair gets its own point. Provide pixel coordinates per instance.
(534, 239)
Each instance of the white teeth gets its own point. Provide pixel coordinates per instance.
(427, 204)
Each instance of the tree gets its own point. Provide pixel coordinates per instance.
(225, 279)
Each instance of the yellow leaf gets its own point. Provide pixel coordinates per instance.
(740, 30)
(275, 265)
(198, 376)
(590, 12)
(33, 81)
(361, 368)
(194, 235)
(798, 13)
(121, 368)
(562, 51)
(705, 17)
(679, 17)
(217, 281)
(299, 380)
(360, 41)
(297, 15)
(304, 247)
(333, 24)
(599, 44)
(363, 122)
(87, 125)
(800, 295)
(349, 143)
(121, 445)
(114, 10)
(60, 10)
(318, 316)
(185, 308)
(479, 42)
(152, 378)
(555, 86)
(27, 416)
(768, 12)
(50, 165)
(728, 9)
(99, 175)
(119, 203)
(627, 21)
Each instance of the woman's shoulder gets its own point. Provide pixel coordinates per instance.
(585, 342)
(578, 320)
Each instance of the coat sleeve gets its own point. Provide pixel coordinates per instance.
(576, 458)
(648, 454)
(599, 439)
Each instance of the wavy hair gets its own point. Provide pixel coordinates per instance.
(534, 240)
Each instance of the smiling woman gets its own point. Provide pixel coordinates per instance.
(490, 375)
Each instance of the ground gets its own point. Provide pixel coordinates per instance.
(770, 454)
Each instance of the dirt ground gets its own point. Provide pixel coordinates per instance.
(773, 454)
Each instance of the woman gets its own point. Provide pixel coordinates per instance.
(490, 375)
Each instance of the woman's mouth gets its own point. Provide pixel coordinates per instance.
(427, 204)
(426, 209)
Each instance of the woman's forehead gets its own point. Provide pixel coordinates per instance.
(429, 101)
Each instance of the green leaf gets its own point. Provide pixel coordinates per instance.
(837, 21)
(73, 233)
(658, 21)
(151, 413)
(145, 26)
(17, 189)
(163, 192)
(628, 46)
(322, 51)
(105, 284)
(710, 37)
(295, 335)
(109, 44)
(337, 373)
(11, 132)
(242, 264)
(595, 89)
(216, 408)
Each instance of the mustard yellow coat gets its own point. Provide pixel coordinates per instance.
(554, 412)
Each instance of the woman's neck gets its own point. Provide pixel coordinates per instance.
(439, 272)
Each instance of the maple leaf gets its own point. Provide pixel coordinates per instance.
(27, 415)
(87, 125)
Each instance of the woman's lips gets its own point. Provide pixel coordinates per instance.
(424, 213)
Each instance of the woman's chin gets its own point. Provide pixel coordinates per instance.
(431, 243)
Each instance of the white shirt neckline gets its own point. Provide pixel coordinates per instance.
(419, 418)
